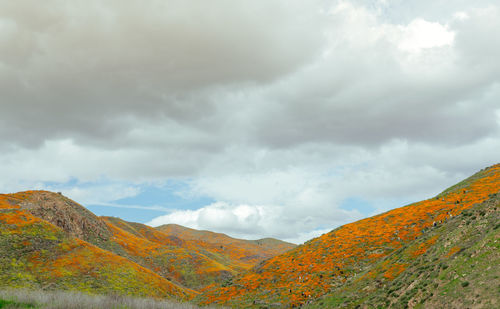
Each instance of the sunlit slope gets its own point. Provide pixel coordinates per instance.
(329, 261)
(165, 255)
(162, 254)
(188, 262)
(193, 259)
(452, 265)
(36, 254)
(240, 253)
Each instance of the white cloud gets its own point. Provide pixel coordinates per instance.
(421, 34)
(293, 203)
(461, 15)
(277, 110)
(251, 222)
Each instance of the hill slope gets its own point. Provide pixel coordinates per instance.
(242, 254)
(456, 264)
(172, 258)
(37, 254)
(183, 261)
(328, 262)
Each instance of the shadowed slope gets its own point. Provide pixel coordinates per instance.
(72, 217)
(329, 261)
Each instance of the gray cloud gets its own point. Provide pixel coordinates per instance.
(82, 69)
(373, 93)
(278, 110)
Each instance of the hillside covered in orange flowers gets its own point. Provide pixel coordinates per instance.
(36, 254)
(335, 259)
(243, 253)
(455, 264)
(403, 257)
(50, 241)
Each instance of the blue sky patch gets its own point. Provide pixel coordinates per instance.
(361, 205)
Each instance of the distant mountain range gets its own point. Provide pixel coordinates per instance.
(441, 252)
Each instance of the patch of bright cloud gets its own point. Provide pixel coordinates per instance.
(461, 15)
(421, 34)
(219, 216)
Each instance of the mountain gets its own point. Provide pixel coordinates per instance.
(176, 261)
(346, 254)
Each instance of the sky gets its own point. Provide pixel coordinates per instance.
(262, 118)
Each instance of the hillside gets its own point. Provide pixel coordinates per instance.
(329, 262)
(425, 254)
(455, 264)
(39, 255)
(77, 221)
(72, 217)
(179, 260)
(242, 253)
(170, 257)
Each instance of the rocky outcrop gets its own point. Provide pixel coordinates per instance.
(73, 218)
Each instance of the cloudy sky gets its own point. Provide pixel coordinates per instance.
(282, 118)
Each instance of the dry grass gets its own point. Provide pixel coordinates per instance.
(77, 300)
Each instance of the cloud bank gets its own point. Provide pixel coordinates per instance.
(280, 111)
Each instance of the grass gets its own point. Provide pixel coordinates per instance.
(8, 304)
(20, 298)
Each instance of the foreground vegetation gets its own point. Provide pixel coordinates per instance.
(20, 298)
